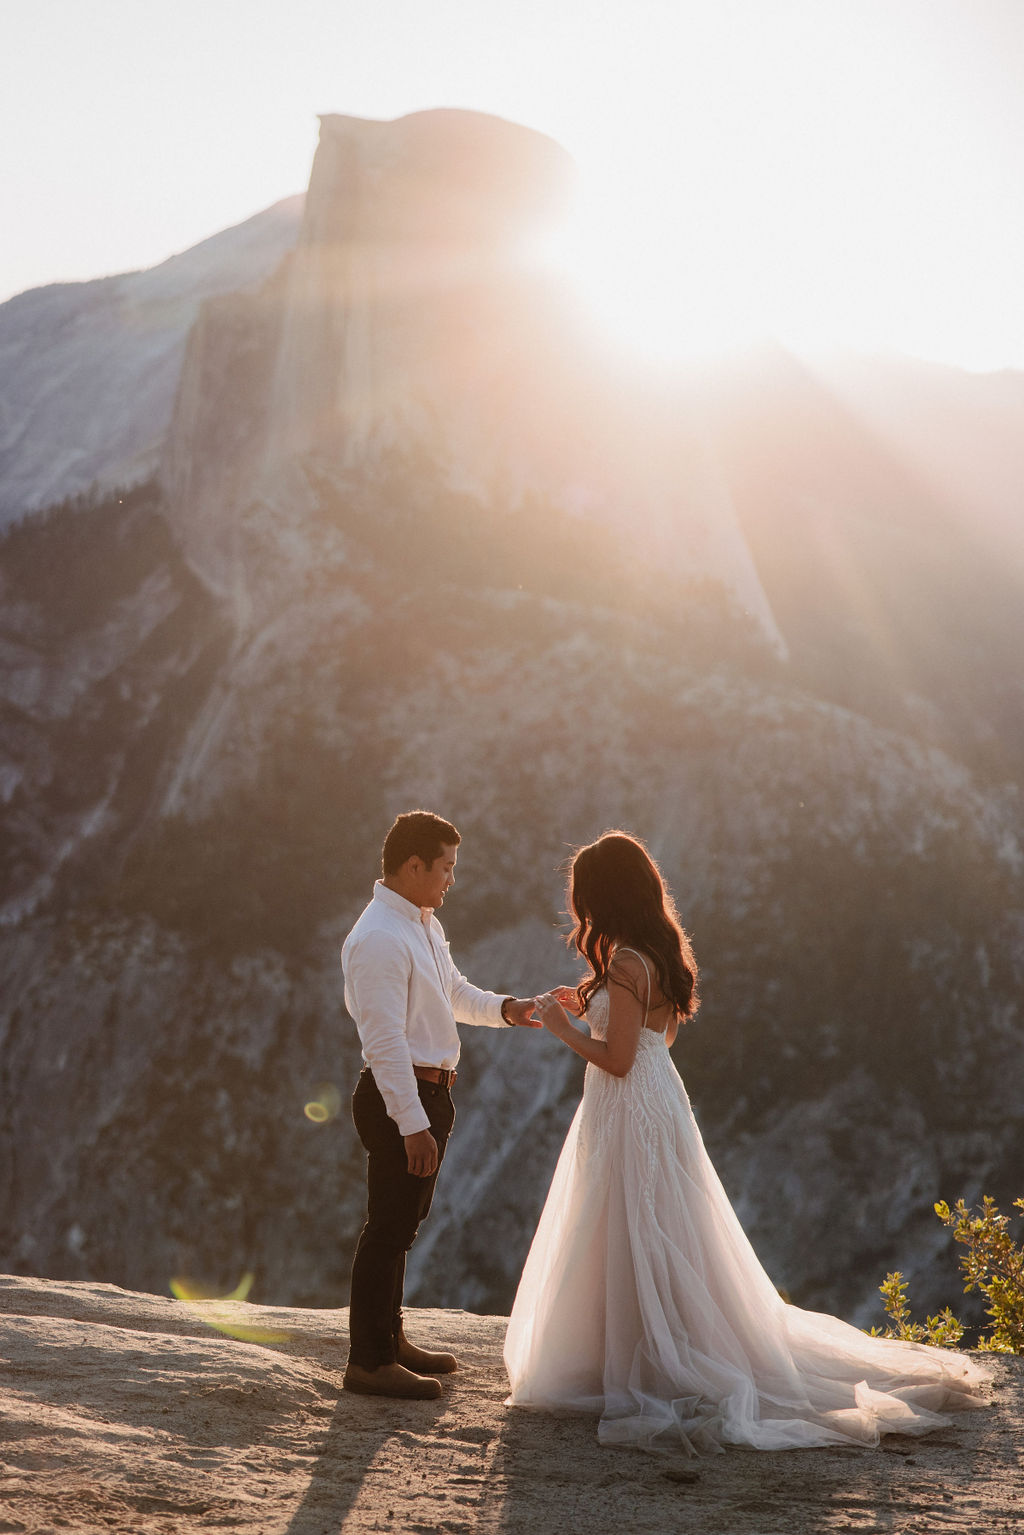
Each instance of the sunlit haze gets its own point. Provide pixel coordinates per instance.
(824, 171)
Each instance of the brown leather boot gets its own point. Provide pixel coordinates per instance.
(390, 1380)
(422, 1360)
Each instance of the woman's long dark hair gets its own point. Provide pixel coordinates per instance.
(619, 899)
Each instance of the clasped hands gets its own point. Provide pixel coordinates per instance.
(544, 1011)
(553, 1006)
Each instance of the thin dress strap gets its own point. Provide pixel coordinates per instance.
(625, 949)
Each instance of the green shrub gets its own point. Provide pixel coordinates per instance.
(993, 1264)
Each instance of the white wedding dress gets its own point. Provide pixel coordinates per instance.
(643, 1302)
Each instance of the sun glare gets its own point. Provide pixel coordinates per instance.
(788, 180)
(645, 290)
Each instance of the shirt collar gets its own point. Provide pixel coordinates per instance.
(398, 903)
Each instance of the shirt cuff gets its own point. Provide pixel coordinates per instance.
(413, 1120)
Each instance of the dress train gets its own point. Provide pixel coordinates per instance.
(643, 1302)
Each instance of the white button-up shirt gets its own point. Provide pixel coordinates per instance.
(404, 992)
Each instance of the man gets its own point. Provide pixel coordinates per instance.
(405, 995)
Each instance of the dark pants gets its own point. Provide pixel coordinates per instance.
(396, 1203)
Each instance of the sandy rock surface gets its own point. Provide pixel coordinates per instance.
(134, 1413)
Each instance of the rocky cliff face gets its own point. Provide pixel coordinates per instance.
(89, 371)
(173, 999)
(215, 696)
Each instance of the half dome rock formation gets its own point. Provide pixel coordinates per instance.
(407, 297)
(412, 324)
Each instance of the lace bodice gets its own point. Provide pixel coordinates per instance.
(596, 1019)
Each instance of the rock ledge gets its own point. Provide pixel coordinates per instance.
(141, 1414)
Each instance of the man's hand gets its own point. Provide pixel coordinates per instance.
(421, 1153)
(518, 1010)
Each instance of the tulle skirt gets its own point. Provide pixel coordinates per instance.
(643, 1302)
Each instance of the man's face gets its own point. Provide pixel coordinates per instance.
(433, 881)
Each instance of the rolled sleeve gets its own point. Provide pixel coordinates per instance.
(377, 974)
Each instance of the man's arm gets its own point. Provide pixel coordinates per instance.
(490, 1008)
(377, 995)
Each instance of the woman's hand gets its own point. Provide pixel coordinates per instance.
(566, 995)
(553, 1015)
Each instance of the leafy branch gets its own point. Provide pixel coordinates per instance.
(992, 1264)
(942, 1331)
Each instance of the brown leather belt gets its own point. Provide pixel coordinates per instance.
(437, 1074)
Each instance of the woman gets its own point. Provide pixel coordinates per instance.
(642, 1300)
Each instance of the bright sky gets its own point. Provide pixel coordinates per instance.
(829, 171)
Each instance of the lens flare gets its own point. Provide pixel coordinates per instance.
(325, 1103)
(207, 1305)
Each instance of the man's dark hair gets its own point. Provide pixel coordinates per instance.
(416, 834)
